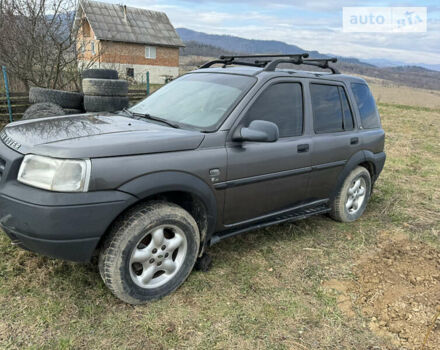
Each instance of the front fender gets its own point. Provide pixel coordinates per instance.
(169, 181)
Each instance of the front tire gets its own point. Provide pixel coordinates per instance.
(351, 200)
(149, 252)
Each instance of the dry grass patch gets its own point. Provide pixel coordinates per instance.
(266, 290)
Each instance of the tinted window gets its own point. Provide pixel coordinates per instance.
(348, 116)
(366, 105)
(282, 105)
(327, 111)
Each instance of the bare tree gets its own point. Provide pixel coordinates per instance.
(38, 42)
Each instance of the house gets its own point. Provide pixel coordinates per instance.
(131, 40)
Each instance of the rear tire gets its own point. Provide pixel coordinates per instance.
(351, 200)
(149, 252)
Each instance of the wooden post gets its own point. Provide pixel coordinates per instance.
(148, 83)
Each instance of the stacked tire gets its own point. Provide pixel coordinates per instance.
(43, 110)
(52, 103)
(103, 91)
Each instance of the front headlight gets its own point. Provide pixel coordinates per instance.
(53, 174)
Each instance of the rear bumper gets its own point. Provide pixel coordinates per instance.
(60, 225)
(379, 162)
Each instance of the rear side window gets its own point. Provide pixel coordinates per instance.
(281, 104)
(331, 110)
(367, 107)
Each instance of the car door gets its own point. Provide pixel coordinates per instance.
(335, 135)
(265, 177)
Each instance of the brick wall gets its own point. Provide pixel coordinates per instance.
(130, 53)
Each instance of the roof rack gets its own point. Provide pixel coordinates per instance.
(229, 60)
(305, 54)
(271, 64)
(323, 63)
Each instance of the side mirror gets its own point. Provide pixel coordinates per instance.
(257, 131)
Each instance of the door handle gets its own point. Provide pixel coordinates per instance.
(354, 140)
(303, 148)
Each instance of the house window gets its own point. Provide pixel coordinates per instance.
(92, 47)
(150, 52)
(130, 72)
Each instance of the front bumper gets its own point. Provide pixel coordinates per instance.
(62, 225)
(80, 250)
(58, 224)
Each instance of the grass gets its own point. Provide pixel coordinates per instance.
(265, 289)
(143, 86)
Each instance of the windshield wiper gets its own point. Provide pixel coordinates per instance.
(152, 117)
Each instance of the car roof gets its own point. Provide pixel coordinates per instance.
(256, 71)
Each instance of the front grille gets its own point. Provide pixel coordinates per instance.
(2, 167)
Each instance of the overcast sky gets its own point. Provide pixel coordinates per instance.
(310, 24)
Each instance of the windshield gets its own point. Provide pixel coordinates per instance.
(199, 100)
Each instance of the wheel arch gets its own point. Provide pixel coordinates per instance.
(361, 158)
(183, 189)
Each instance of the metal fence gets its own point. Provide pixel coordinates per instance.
(20, 102)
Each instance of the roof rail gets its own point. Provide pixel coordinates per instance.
(271, 64)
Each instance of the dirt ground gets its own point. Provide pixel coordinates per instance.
(397, 288)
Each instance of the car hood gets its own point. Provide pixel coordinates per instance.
(96, 135)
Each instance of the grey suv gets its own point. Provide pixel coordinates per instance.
(214, 153)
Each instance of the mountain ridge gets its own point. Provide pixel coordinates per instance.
(203, 46)
(237, 45)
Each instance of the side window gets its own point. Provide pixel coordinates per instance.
(348, 116)
(281, 104)
(326, 105)
(367, 107)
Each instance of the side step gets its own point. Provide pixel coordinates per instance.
(278, 219)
